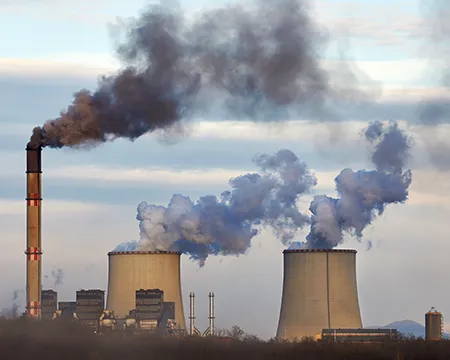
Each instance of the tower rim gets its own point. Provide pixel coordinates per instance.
(294, 251)
(112, 253)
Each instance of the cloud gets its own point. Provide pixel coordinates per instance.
(295, 130)
(82, 11)
(58, 65)
(396, 73)
(121, 175)
(52, 206)
(429, 188)
(376, 22)
(381, 25)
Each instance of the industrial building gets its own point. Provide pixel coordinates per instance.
(89, 306)
(434, 323)
(319, 292)
(67, 308)
(152, 312)
(130, 271)
(357, 335)
(49, 301)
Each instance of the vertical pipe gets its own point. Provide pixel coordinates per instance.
(211, 313)
(328, 290)
(191, 314)
(34, 241)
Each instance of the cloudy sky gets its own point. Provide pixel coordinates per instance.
(50, 50)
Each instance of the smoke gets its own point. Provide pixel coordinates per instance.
(57, 275)
(226, 225)
(13, 311)
(259, 61)
(362, 195)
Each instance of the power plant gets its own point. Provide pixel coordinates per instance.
(319, 297)
(319, 292)
(133, 277)
(129, 271)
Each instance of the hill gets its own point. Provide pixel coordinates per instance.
(406, 327)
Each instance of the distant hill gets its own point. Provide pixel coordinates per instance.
(406, 327)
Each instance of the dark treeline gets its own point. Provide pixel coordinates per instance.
(19, 340)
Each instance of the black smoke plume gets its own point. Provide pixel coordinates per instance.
(362, 195)
(258, 61)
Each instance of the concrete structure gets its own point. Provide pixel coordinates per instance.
(357, 335)
(49, 304)
(34, 240)
(89, 306)
(133, 270)
(433, 325)
(67, 308)
(319, 292)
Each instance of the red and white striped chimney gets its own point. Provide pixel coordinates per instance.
(34, 240)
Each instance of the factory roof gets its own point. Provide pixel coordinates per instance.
(319, 250)
(143, 252)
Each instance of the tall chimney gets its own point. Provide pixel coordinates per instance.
(211, 314)
(34, 240)
(191, 314)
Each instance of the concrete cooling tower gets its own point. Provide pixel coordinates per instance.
(319, 292)
(133, 270)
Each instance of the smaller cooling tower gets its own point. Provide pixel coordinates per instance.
(134, 270)
(319, 292)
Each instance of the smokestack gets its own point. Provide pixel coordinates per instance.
(34, 240)
(191, 314)
(319, 292)
(133, 270)
(211, 314)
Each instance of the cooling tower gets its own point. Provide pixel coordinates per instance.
(319, 292)
(134, 270)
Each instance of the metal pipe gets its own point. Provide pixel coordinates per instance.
(34, 240)
(211, 313)
(191, 314)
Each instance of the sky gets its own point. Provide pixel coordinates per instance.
(50, 50)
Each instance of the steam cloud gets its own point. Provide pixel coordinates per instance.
(13, 311)
(257, 61)
(362, 194)
(227, 225)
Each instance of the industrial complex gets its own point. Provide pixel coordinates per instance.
(319, 297)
